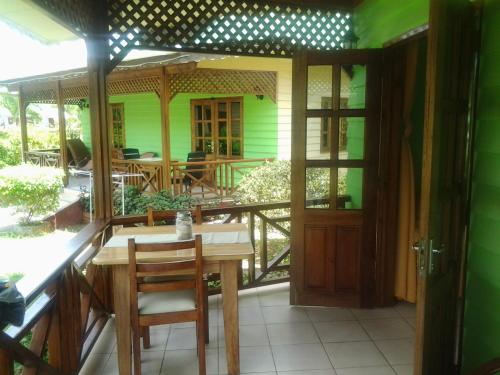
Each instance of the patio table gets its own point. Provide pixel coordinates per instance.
(224, 247)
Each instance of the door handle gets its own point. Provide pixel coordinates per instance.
(419, 248)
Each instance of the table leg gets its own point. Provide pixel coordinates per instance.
(229, 285)
(121, 285)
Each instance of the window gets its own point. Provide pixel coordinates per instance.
(326, 127)
(117, 121)
(217, 127)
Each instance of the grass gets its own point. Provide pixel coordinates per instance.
(31, 230)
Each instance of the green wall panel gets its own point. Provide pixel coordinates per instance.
(378, 21)
(482, 308)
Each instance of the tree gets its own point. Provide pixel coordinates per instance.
(11, 103)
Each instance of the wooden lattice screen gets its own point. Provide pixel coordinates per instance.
(78, 15)
(139, 85)
(243, 27)
(221, 81)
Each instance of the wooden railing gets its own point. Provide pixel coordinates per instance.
(149, 173)
(216, 177)
(67, 308)
(44, 158)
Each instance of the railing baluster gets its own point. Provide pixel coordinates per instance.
(263, 245)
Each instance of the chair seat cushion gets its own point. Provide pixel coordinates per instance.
(164, 302)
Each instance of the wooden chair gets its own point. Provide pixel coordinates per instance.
(166, 302)
(154, 216)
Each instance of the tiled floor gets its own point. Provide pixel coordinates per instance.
(279, 339)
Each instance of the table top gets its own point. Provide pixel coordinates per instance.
(220, 242)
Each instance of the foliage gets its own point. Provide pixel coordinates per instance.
(11, 103)
(137, 203)
(271, 183)
(30, 189)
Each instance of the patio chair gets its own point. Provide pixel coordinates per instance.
(197, 171)
(155, 216)
(176, 301)
(79, 153)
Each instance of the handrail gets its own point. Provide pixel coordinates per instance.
(219, 161)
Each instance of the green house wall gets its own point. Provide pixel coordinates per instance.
(482, 307)
(142, 124)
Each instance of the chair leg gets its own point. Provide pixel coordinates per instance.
(136, 350)
(205, 310)
(146, 338)
(201, 346)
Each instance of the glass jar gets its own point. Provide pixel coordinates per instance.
(184, 225)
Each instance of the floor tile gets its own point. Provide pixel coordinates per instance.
(354, 354)
(385, 370)
(94, 364)
(292, 333)
(380, 329)
(275, 296)
(406, 310)
(403, 369)
(284, 314)
(397, 352)
(300, 357)
(329, 314)
(151, 362)
(308, 372)
(380, 313)
(250, 335)
(252, 359)
(250, 315)
(158, 337)
(341, 331)
(185, 362)
(185, 338)
(412, 322)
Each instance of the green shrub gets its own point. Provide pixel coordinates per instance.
(30, 189)
(10, 144)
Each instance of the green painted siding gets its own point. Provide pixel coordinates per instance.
(378, 21)
(482, 309)
(142, 124)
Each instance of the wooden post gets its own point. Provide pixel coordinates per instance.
(97, 57)
(24, 124)
(165, 127)
(63, 152)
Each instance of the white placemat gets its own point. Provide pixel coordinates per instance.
(207, 238)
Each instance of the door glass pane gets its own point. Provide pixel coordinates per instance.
(235, 128)
(197, 113)
(352, 86)
(209, 146)
(318, 138)
(222, 129)
(222, 111)
(222, 147)
(208, 129)
(350, 188)
(199, 145)
(319, 86)
(351, 138)
(235, 110)
(208, 112)
(199, 130)
(236, 148)
(317, 187)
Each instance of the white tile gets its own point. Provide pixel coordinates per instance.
(185, 362)
(292, 333)
(380, 329)
(248, 297)
(308, 372)
(385, 370)
(250, 335)
(278, 295)
(341, 331)
(213, 301)
(185, 338)
(403, 369)
(250, 315)
(151, 362)
(106, 342)
(329, 314)
(252, 359)
(397, 352)
(407, 310)
(354, 354)
(412, 322)
(300, 357)
(213, 316)
(94, 364)
(158, 337)
(380, 313)
(284, 314)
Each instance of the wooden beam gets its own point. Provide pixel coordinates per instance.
(24, 124)
(165, 127)
(63, 151)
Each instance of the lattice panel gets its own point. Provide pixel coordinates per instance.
(43, 96)
(221, 81)
(250, 27)
(76, 14)
(73, 95)
(148, 84)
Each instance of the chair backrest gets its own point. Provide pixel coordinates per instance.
(196, 156)
(157, 215)
(143, 272)
(79, 152)
(131, 153)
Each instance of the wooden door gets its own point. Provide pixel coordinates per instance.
(335, 148)
(443, 210)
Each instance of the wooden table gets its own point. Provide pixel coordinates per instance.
(223, 258)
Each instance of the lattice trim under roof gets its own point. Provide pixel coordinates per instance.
(141, 85)
(223, 81)
(246, 27)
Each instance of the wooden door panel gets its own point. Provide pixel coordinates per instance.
(346, 259)
(317, 266)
